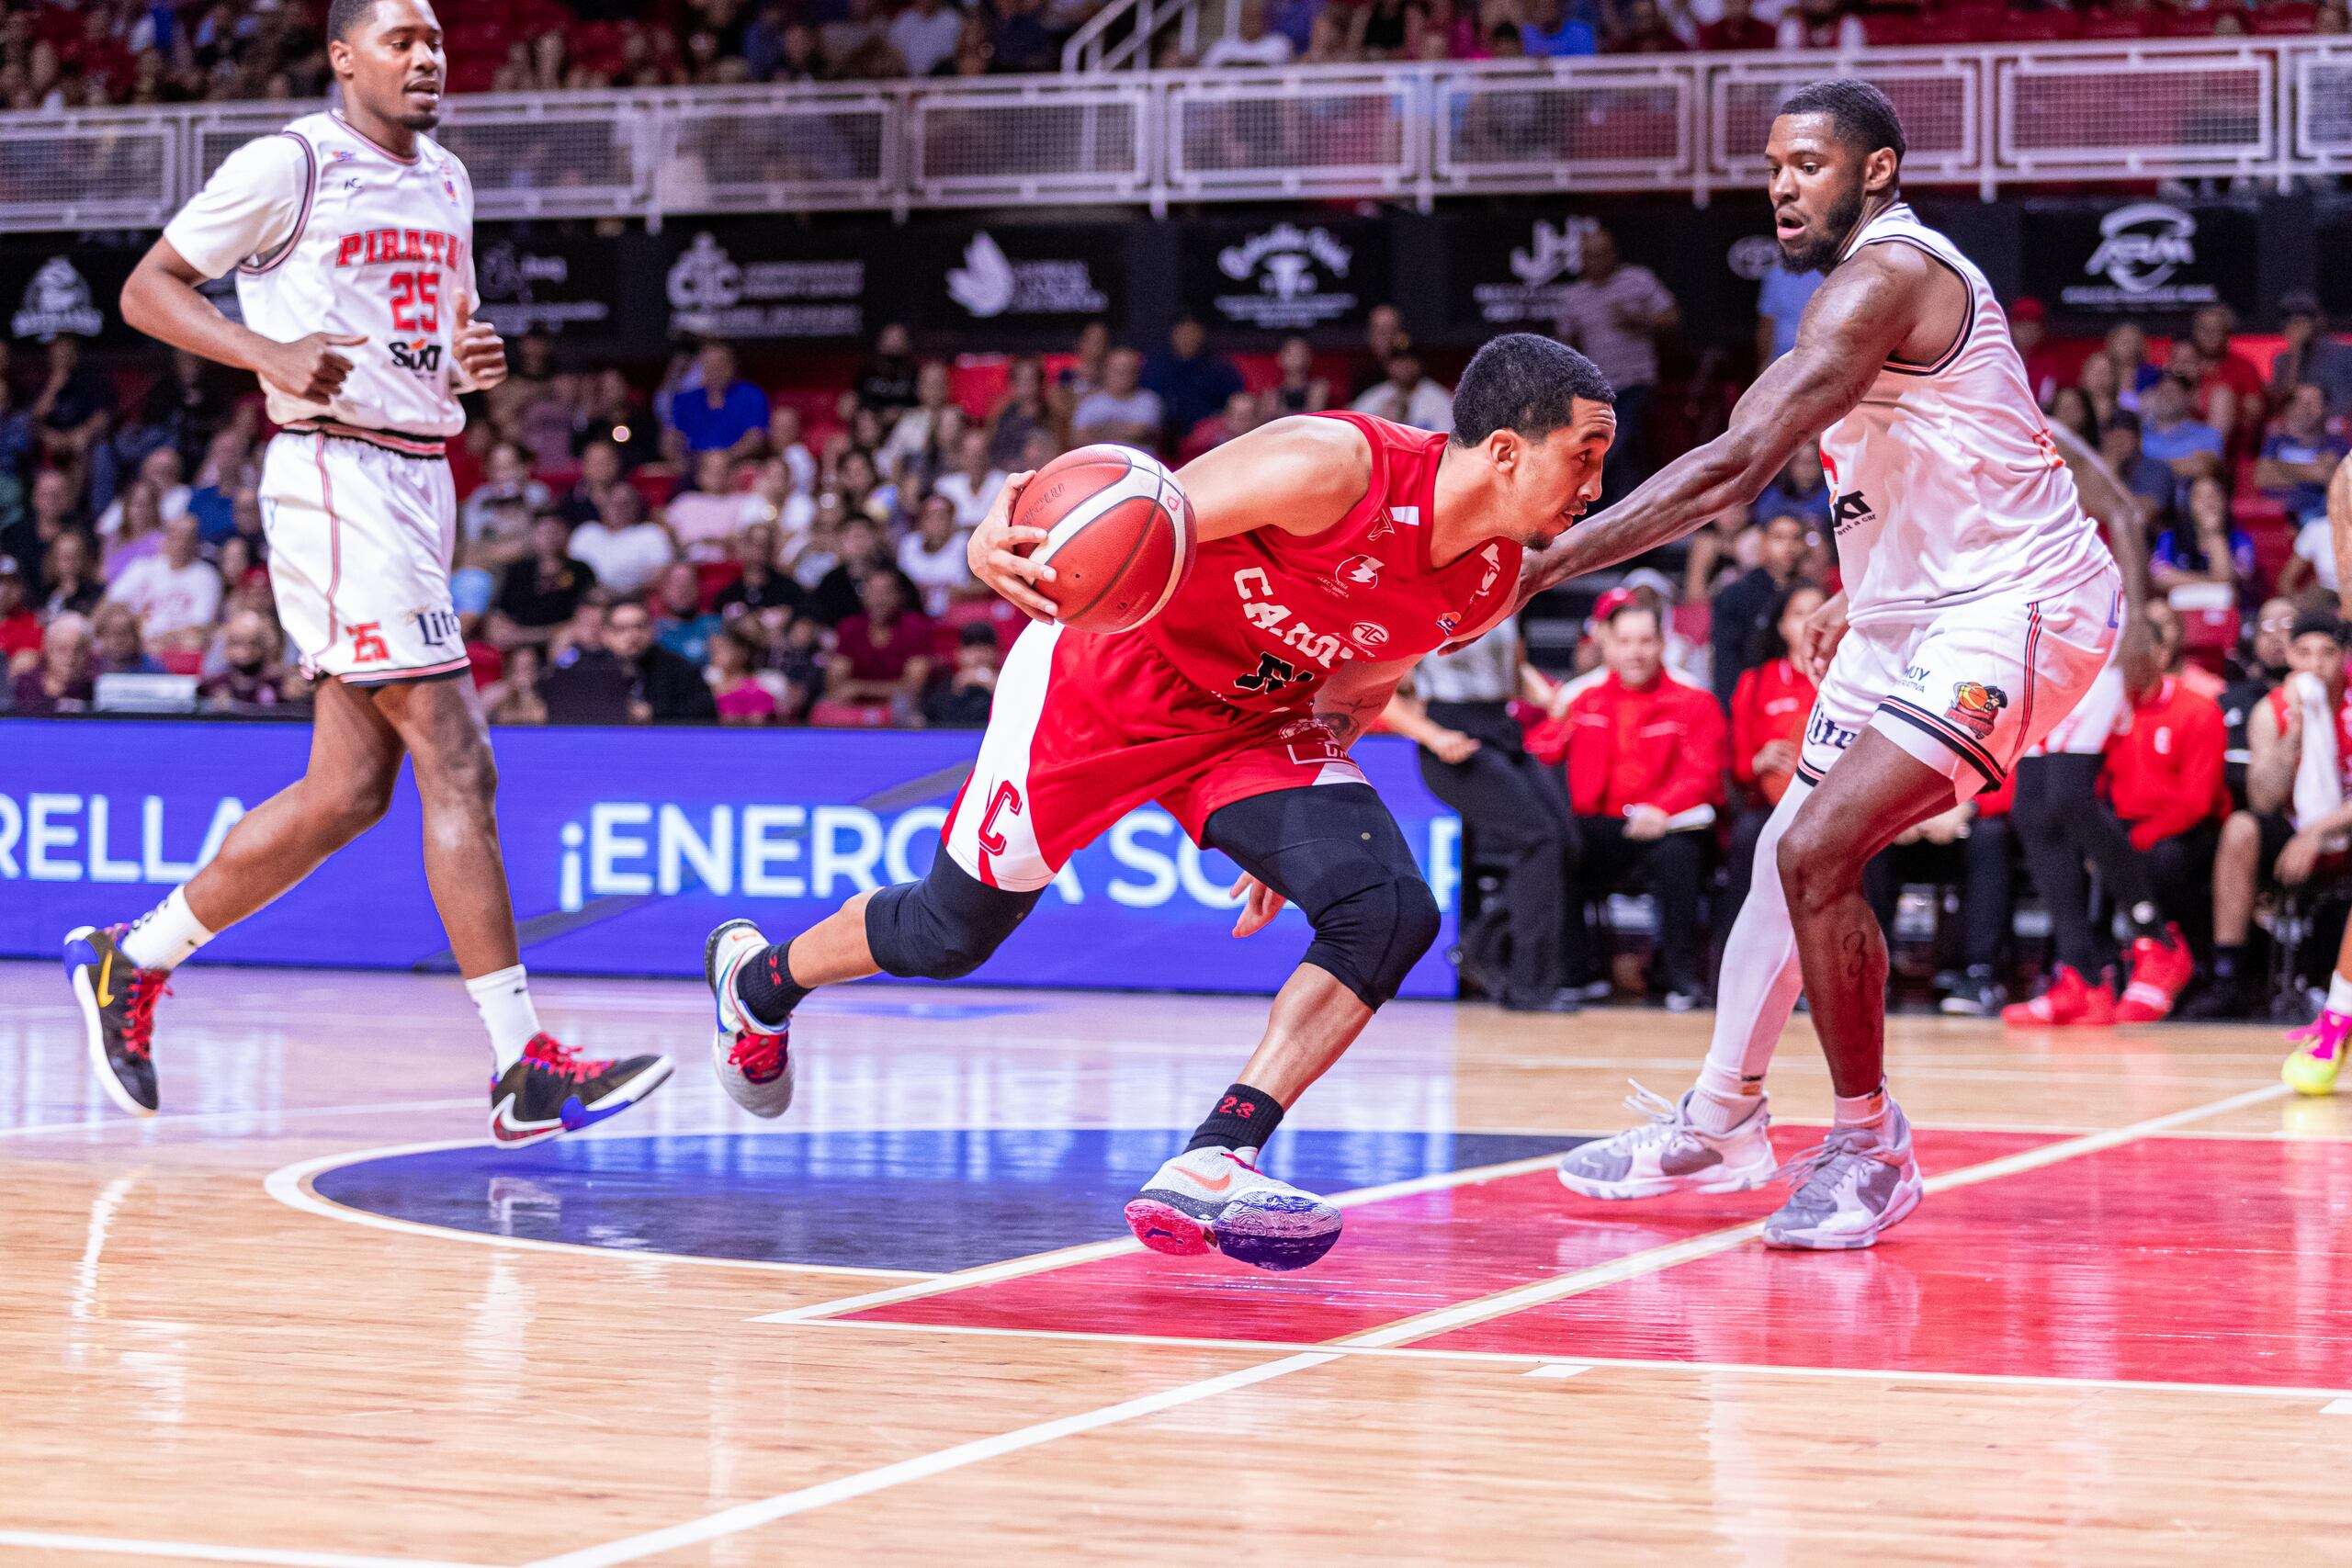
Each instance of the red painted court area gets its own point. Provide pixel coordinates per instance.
(2163, 1261)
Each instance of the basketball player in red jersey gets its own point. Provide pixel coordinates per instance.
(1335, 551)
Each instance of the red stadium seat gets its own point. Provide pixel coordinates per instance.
(2035, 26)
(2282, 20)
(2116, 24)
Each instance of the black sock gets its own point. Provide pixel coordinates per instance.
(2226, 958)
(766, 988)
(2149, 922)
(1244, 1119)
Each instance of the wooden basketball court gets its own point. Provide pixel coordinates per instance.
(307, 1319)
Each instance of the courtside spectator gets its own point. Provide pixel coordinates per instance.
(721, 412)
(600, 473)
(2204, 544)
(708, 512)
(886, 382)
(1801, 491)
(2300, 457)
(50, 511)
(840, 592)
(1738, 26)
(159, 471)
(917, 430)
(2152, 482)
(2282, 838)
(1747, 608)
(680, 623)
(2310, 354)
(2171, 435)
(626, 550)
(1549, 30)
(1407, 395)
(506, 485)
(1646, 759)
(963, 701)
(737, 688)
(1122, 409)
(1192, 382)
(19, 627)
(251, 679)
(1251, 42)
(1297, 389)
(1823, 23)
(925, 34)
(659, 687)
(514, 696)
(117, 647)
(1615, 313)
(175, 592)
(882, 655)
(1781, 302)
(614, 413)
(61, 681)
(971, 487)
(1384, 333)
(1023, 410)
(2239, 415)
(761, 586)
(1240, 417)
(933, 557)
(539, 592)
(69, 576)
(2162, 775)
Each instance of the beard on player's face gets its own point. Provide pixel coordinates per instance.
(1828, 236)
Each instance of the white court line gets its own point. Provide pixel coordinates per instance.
(291, 1185)
(193, 1551)
(1070, 1257)
(750, 1516)
(209, 1118)
(1630, 1363)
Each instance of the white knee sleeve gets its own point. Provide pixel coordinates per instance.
(1761, 978)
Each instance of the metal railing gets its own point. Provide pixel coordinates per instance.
(1992, 116)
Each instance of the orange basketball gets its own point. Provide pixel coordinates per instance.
(1121, 537)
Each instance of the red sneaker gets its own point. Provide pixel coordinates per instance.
(2160, 971)
(2070, 1002)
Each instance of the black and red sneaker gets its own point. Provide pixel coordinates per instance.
(117, 1001)
(549, 1091)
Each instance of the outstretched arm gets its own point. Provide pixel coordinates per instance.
(1858, 318)
(2117, 509)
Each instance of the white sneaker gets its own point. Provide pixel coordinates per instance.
(1668, 1154)
(755, 1066)
(1212, 1200)
(1857, 1185)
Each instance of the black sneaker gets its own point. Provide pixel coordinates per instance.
(2219, 1001)
(1563, 1000)
(1974, 995)
(549, 1091)
(117, 1001)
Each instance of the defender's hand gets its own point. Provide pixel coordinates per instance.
(1260, 907)
(1451, 746)
(1823, 630)
(479, 353)
(308, 367)
(993, 554)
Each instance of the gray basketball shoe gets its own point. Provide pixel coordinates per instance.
(1858, 1184)
(1668, 1153)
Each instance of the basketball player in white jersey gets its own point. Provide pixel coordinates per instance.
(1979, 606)
(350, 234)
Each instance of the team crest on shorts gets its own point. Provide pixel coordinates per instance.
(1976, 706)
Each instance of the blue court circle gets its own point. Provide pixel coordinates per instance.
(933, 1201)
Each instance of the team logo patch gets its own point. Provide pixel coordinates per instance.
(1356, 571)
(1449, 623)
(1370, 636)
(1976, 706)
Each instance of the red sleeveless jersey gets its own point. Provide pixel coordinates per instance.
(1267, 615)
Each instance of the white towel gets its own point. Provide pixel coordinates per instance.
(2319, 786)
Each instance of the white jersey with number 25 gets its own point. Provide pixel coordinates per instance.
(1947, 486)
(329, 232)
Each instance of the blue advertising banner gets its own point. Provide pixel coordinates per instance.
(626, 846)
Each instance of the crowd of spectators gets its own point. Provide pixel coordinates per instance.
(713, 547)
(57, 55)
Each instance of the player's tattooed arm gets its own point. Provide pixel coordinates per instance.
(1862, 315)
(1352, 700)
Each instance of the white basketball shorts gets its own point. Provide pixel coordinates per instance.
(1970, 689)
(360, 539)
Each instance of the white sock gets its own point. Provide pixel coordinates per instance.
(1758, 987)
(1862, 1109)
(2339, 994)
(166, 936)
(503, 1000)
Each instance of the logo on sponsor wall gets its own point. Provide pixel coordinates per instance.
(991, 284)
(712, 294)
(1753, 258)
(57, 302)
(2141, 248)
(1541, 271)
(525, 290)
(1299, 279)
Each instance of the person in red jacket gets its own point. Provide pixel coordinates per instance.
(1645, 754)
(2163, 778)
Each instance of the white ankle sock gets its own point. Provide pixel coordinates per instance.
(1720, 1105)
(503, 1000)
(1862, 1109)
(2339, 994)
(166, 936)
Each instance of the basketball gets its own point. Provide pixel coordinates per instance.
(1121, 537)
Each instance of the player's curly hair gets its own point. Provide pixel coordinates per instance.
(1864, 117)
(1525, 383)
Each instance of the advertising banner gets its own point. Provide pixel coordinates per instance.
(761, 282)
(2149, 259)
(598, 295)
(626, 847)
(1285, 275)
(1019, 278)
